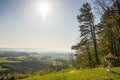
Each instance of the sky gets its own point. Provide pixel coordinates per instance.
(27, 24)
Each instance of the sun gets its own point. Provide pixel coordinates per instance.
(44, 9)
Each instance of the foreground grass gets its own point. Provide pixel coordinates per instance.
(85, 74)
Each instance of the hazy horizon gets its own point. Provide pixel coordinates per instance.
(35, 50)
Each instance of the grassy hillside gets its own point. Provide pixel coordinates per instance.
(85, 74)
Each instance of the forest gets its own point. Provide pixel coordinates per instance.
(99, 40)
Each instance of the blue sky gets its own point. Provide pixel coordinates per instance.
(22, 24)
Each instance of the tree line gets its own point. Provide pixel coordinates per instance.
(101, 39)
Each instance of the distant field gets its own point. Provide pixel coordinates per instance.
(5, 59)
(2, 69)
(86, 74)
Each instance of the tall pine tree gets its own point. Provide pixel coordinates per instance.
(87, 31)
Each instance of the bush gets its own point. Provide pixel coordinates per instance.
(2, 78)
(12, 78)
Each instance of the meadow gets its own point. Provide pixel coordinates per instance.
(83, 74)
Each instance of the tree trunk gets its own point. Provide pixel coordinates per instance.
(94, 42)
(95, 48)
(89, 56)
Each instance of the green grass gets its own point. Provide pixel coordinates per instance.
(85, 74)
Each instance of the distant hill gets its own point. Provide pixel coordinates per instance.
(36, 50)
(12, 54)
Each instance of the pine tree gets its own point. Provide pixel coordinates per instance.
(87, 31)
(109, 29)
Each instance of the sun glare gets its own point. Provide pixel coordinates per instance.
(44, 9)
